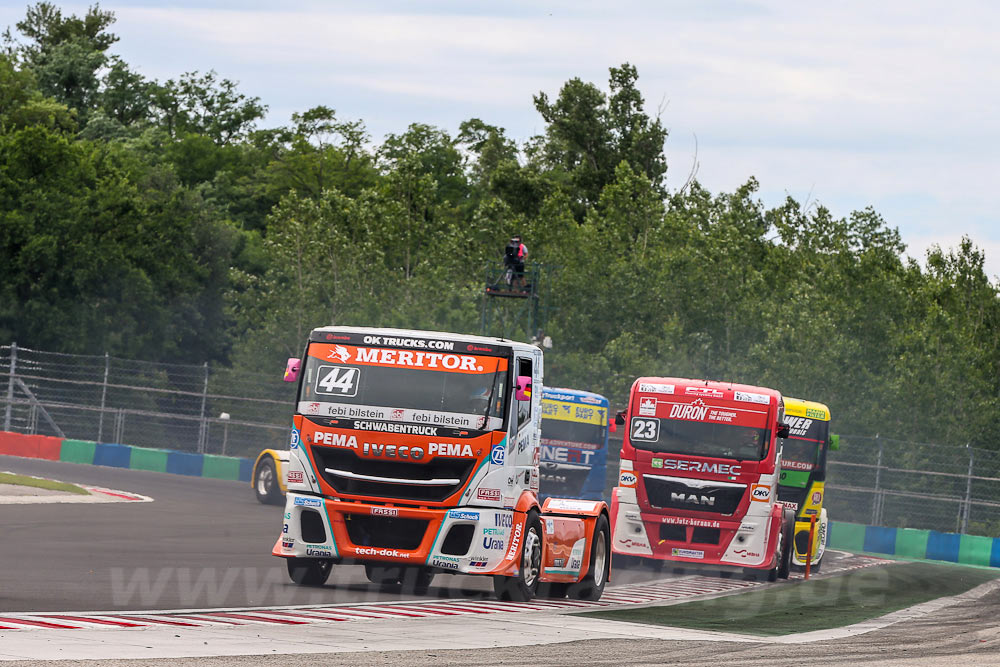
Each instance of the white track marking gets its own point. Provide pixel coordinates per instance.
(404, 625)
(96, 494)
(658, 592)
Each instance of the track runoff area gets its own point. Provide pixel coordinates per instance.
(350, 615)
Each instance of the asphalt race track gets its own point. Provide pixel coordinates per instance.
(202, 543)
(205, 544)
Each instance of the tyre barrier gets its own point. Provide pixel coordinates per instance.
(114, 455)
(915, 543)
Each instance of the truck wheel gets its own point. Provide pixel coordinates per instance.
(265, 482)
(761, 574)
(591, 587)
(309, 571)
(523, 586)
(786, 546)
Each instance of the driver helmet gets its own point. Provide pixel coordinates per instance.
(479, 400)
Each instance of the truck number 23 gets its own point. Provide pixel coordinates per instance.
(645, 429)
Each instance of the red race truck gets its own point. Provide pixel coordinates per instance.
(698, 477)
(415, 453)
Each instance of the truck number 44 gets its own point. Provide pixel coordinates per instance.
(337, 380)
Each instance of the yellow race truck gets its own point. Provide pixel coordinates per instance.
(270, 473)
(803, 474)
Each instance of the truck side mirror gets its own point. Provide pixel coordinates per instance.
(834, 441)
(523, 392)
(292, 369)
(782, 430)
(620, 417)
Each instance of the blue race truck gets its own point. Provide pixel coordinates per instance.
(574, 450)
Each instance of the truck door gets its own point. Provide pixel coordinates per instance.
(523, 430)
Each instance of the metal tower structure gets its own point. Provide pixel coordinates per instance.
(515, 306)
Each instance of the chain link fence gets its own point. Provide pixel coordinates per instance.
(186, 407)
(870, 480)
(886, 482)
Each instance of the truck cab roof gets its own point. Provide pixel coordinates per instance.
(797, 407)
(574, 395)
(326, 334)
(692, 388)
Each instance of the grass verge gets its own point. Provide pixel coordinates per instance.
(21, 480)
(817, 604)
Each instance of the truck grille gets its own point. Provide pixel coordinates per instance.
(377, 531)
(691, 494)
(348, 463)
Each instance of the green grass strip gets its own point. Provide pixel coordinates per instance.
(21, 480)
(817, 604)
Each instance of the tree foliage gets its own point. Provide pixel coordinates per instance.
(158, 220)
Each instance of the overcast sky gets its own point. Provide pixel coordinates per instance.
(852, 104)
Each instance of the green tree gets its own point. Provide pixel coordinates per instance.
(65, 54)
(125, 94)
(588, 135)
(319, 152)
(205, 105)
(88, 263)
(23, 105)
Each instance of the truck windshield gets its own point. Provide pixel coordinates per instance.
(799, 455)
(463, 391)
(801, 450)
(675, 436)
(560, 433)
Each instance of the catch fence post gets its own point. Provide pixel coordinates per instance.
(968, 492)
(877, 499)
(10, 386)
(104, 396)
(119, 425)
(203, 430)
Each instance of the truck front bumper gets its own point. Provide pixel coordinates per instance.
(468, 540)
(744, 543)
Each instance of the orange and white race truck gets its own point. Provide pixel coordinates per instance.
(416, 453)
(699, 474)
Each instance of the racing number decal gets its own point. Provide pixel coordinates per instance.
(645, 429)
(337, 380)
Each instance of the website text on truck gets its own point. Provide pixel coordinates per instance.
(415, 453)
(698, 476)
